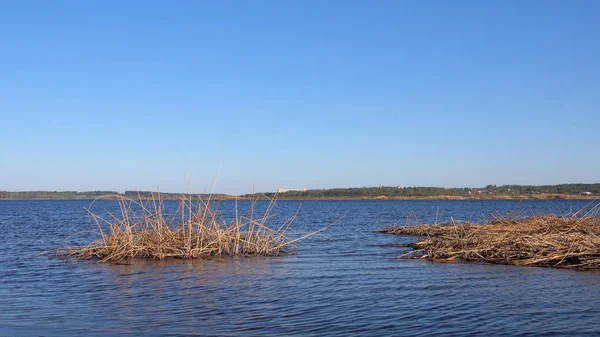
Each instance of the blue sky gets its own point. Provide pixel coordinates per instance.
(120, 95)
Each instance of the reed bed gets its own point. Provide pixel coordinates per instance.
(144, 230)
(571, 241)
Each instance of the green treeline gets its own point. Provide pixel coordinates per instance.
(69, 195)
(398, 191)
(593, 189)
(356, 192)
(54, 195)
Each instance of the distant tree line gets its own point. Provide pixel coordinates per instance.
(397, 191)
(387, 191)
(54, 195)
(552, 189)
(68, 195)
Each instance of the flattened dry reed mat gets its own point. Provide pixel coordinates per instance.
(570, 241)
(142, 229)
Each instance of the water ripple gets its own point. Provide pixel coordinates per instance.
(341, 283)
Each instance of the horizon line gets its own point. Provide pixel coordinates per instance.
(295, 189)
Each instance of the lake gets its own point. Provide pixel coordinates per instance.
(341, 282)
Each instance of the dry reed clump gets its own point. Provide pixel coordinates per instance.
(142, 230)
(543, 241)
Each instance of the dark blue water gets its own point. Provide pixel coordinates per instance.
(343, 282)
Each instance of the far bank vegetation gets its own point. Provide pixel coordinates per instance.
(564, 191)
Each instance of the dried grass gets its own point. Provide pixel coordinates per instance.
(143, 230)
(571, 241)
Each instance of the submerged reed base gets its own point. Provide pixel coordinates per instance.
(571, 242)
(142, 230)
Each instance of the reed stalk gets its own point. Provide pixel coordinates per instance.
(571, 241)
(143, 230)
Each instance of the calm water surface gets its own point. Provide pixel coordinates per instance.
(341, 283)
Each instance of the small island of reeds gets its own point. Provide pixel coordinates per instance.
(143, 229)
(571, 241)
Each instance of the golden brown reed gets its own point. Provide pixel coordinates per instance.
(143, 230)
(544, 241)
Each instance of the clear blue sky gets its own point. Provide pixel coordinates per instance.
(116, 95)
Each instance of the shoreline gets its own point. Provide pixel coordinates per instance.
(342, 198)
(451, 197)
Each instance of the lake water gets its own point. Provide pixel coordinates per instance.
(343, 282)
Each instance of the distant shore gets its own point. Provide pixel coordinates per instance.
(381, 197)
(490, 192)
(453, 197)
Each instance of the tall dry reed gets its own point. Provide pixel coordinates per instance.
(571, 241)
(195, 230)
